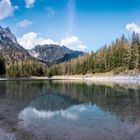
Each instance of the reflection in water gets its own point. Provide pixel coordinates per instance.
(68, 110)
(71, 113)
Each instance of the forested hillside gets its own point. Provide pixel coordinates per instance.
(15, 60)
(121, 55)
(29, 67)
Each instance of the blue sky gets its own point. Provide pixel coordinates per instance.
(78, 24)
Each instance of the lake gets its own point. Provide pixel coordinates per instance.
(69, 110)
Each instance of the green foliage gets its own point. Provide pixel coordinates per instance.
(26, 68)
(2, 66)
(119, 56)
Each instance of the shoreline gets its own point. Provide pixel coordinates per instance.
(92, 78)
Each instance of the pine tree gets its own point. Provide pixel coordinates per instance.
(134, 51)
(2, 66)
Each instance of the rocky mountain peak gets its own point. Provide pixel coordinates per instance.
(54, 53)
(13, 51)
(9, 46)
(6, 35)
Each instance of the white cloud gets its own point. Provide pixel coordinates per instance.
(30, 112)
(133, 27)
(73, 43)
(24, 23)
(71, 113)
(50, 12)
(71, 16)
(32, 39)
(29, 3)
(6, 9)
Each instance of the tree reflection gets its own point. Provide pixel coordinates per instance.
(122, 101)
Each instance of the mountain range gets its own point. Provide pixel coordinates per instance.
(54, 53)
(13, 51)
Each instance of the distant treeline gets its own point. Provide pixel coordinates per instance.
(26, 68)
(121, 55)
(22, 68)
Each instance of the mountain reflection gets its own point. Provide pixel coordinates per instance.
(122, 101)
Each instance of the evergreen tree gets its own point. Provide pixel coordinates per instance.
(134, 51)
(2, 66)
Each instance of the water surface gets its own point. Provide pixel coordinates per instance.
(67, 110)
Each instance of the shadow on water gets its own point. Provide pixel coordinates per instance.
(70, 110)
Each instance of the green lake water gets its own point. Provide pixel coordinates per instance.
(69, 110)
